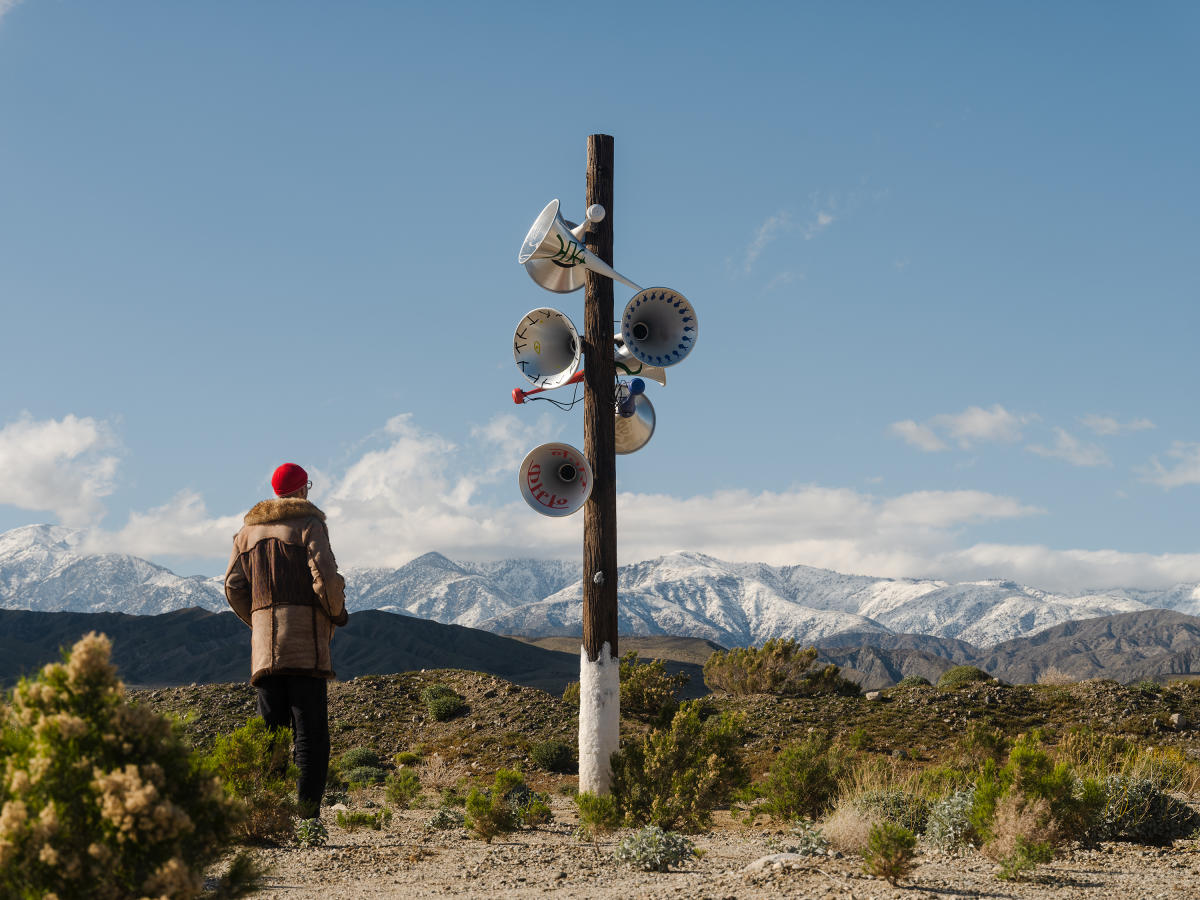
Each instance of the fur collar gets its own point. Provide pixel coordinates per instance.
(282, 509)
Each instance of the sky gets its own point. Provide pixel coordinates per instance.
(942, 256)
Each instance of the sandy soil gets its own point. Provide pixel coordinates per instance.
(405, 861)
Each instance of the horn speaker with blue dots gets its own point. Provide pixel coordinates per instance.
(659, 326)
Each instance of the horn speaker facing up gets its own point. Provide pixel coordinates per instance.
(555, 479)
(659, 326)
(546, 347)
(555, 256)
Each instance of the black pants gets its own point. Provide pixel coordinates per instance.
(299, 702)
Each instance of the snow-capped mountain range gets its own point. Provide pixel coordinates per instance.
(43, 567)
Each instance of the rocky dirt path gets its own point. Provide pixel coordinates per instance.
(405, 861)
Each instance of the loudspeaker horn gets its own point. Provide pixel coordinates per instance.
(555, 479)
(631, 365)
(546, 347)
(659, 326)
(633, 432)
(554, 254)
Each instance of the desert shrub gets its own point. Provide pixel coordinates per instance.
(847, 828)
(364, 775)
(778, 667)
(958, 676)
(445, 818)
(406, 758)
(804, 839)
(442, 702)
(889, 852)
(553, 756)
(1023, 836)
(254, 764)
(895, 805)
(403, 788)
(1074, 803)
(676, 776)
(1148, 687)
(100, 798)
(357, 757)
(858, 739)
(507, 805)
(648, 691)
(654, 850)
(570, 693)
(948, 826)
(1053, 676)
(599, 815)
(909, 681)
(984, 742)
(802, 781)
(1137, 810)
(352, 820)
(311, 833)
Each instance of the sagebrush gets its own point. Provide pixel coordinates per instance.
(777, 667)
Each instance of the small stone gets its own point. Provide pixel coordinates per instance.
(873, 695)
(1180, 722)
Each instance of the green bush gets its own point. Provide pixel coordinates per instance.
(406, 758)
(599, 814)
(778, 667)
(363, 775)
(983, 742)
(356, 757)
(805, 839)
(403, 788)
(445, 818)
(648, 692)
(554, 756)
(354, 820)
(508, 805)
(889, 852)
(676, 776)
(958, 676)
(654, 850)
(909, 681)
(1136, 810)
(100, 798)
(948, 826)
(311, 833)
(802, 781)
(254, 764)
(900, 807)
(570, 693)
(442, 702)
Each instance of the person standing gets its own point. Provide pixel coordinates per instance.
(283, 582)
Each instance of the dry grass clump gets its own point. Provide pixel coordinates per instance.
(1054, 677)
(848, 828)
(1023, 835)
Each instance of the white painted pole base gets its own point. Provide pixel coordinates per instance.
(599, 719)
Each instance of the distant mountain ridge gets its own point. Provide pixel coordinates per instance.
(44, 568)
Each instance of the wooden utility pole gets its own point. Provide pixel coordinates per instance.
(600, 511)
(599, 722)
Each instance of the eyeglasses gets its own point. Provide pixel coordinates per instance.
(308, 487)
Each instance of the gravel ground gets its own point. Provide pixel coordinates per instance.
(404, 861)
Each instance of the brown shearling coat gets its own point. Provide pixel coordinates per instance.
(283, 582)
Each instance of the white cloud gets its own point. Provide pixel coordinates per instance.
(182, 527)
(974, 425)
(62, 466)
(6, 6)
(921, 436)
(820, 222)
(1107, 425)
(410, 491)
(1185, 471)
(1069, 448)
(767, 232)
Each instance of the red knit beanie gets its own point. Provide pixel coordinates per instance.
(288, 478)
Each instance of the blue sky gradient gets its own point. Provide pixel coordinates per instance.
(943, 258)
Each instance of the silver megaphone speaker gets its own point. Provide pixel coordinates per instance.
(634, 431)
(546, 347)
(555, 479)
(628, 364)
(555, 257)
(659, 326)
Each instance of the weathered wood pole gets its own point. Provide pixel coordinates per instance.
(599, 669)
